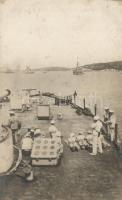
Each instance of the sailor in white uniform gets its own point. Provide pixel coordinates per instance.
(81, 140)
(27, 142)
(106, 114)
(52, 129)
(112, 122)
(96, 128)
(72, 143)
(59, 141)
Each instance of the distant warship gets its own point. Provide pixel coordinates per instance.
(78, 70)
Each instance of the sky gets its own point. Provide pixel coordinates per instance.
(41, 33)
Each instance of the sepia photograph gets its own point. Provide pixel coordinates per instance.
(60, 100)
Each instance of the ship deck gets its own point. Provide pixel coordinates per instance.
(79, 175)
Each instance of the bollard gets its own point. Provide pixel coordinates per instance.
(116, 133)
(84, 103)
(118, 144)
(95, 109)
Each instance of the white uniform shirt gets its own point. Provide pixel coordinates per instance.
(98, 126)
(58, 139)
(27, 143)
(106, 115)
(14, 123)
(89, 138)
(94, 131)
(52, 130)
(112, 121)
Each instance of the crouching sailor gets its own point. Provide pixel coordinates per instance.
(89, 139)
(81, 140)
(25, 171)
(72, 143)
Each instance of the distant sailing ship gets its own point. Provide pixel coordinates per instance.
(78, 70)
(28, 70)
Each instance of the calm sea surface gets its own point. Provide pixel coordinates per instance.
(104, 84)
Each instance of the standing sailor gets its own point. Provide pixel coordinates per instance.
(96, 127)
(106, 114)
(27, 143)
(75, 94)
(112, 122)
(52, 129)
(106, 119)
(15, 125)
(59, 141)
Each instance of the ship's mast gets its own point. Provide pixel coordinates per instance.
(77, 62)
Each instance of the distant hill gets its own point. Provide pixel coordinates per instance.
(117, 65)
(54, 69)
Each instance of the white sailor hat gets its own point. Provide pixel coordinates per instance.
(96, 118)
(106, 108)
(111, 111)
(52, 122)
(12, 112)
(32, 130)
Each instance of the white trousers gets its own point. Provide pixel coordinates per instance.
(100, 145)
(112, 134)
(94, 144)
(97, 145)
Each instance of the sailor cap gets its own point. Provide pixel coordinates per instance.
(12, 113)
(52, 122)
(106, 108)
(111, 111)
